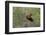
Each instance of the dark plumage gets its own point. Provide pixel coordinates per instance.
(29, 17)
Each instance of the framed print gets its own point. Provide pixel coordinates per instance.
(24, 17)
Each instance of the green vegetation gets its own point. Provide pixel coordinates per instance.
(19, 14)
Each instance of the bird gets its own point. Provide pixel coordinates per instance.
(29, 17)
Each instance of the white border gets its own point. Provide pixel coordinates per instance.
(11, 5)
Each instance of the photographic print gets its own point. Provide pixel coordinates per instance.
(24, 17)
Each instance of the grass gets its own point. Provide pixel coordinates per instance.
(19, 19)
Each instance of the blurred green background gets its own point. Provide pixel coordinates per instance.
(19, 19)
